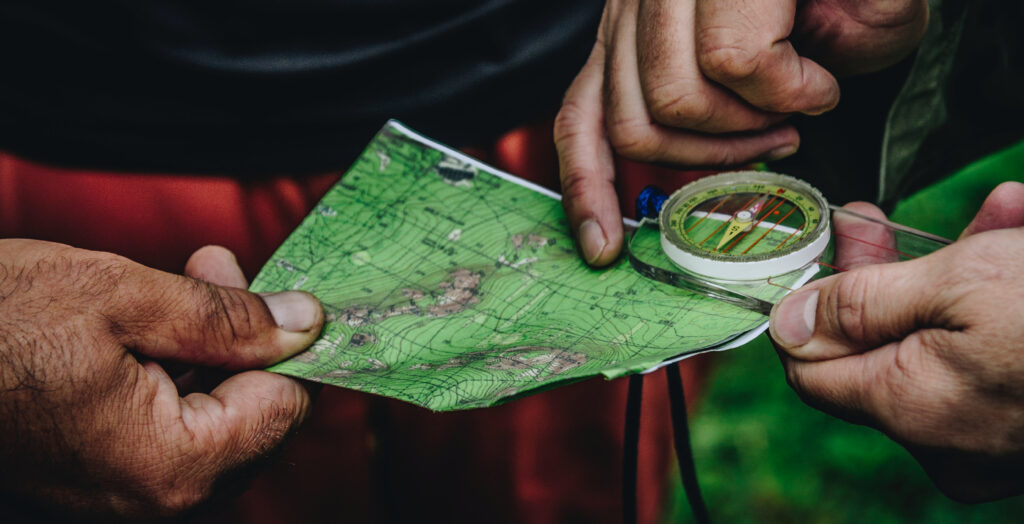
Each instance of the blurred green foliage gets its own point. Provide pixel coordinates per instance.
(764, 456)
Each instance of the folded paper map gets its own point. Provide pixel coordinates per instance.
(451, 285)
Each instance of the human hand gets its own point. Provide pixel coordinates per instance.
(708, 83)
(928, 351)
(92, 424)
(853, 37)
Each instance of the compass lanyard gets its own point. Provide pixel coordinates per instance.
(681, 441)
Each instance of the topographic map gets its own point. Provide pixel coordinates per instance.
(451, 285)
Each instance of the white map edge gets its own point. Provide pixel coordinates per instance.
(482, 166)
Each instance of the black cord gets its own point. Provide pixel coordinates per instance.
(631, 447)
(684, 453)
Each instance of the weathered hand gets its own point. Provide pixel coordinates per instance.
(928, 351)
(852, 37)
(92, 423)
(708, 83)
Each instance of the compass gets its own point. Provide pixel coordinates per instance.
(743, 225)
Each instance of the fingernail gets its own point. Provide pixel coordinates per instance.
(792, 320)
(780, 152)
(592, 240)
(292, 310)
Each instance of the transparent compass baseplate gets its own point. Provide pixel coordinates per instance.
(749, 238)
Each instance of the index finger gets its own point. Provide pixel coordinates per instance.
(586, 167)
(743, 45)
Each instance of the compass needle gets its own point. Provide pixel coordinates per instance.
(741, 222)
(735, 227)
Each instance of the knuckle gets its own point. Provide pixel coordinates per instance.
(729, 58)
(569, 121)
(633, 138)
(724, 55)
(574, 185)
(230, 316)
(846, 314)
(680, 104)
(578, 186)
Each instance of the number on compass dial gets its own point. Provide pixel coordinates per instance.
(745, 219)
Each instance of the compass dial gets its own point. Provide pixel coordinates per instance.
(745, 225)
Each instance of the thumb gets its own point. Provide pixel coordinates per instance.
(1003, 208)
(851, 312)
(170, 317)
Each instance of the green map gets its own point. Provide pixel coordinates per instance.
(451, 285)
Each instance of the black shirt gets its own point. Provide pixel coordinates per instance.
(275, 85)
